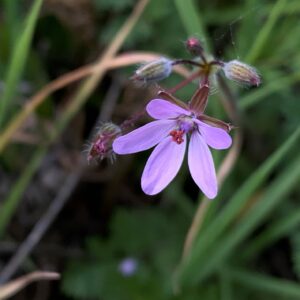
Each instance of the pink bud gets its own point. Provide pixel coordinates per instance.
(194, 46)
(241, 73)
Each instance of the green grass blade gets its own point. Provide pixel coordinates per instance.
(218, 225)
(12, 19)
(226, 287)
(274, 86)
(256, 281)
(191, 19)
(275, 231)
(265, 32)
(18, 61)
(275, 193)
(11, 202)
(84, 91)
(215, 229)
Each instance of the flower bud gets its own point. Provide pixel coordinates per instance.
(153, 71)
(194, 46)
(241, 73)
(101, 146)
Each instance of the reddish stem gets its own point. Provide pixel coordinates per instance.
(132, 121)
(184, 82)
(186, 62)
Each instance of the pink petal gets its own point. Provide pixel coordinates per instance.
(162, 165)
(144, 137)
(215, 137)
(163, 109)
(201, 166)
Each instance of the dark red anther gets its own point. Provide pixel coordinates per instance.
(177, 136)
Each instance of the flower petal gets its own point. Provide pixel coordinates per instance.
(201, 166)
(144, 137)
(163, 109)
(215, 137)
(162, 165)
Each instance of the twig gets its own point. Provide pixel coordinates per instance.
(78, 100)
(58, 203)
(11, 288)
(110, 101)
(122, 60)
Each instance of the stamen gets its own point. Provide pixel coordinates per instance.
(177, 136)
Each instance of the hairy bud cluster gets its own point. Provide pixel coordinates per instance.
(241, 73)
(153, 71)
(205, 67)
(101, 146)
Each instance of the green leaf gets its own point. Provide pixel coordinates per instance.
(11, 202)
(295, 246)
(225, 245)
(282, 83)
(265, 32)
(272, 285)
(276, 230)
(18, 61)
(191, 19)
(219, 224)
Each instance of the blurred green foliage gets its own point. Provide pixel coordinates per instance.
(150, 236)
(258, 205)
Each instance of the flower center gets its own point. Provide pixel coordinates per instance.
(185, 125)
(177, 136)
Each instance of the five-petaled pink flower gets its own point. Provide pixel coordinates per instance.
(173, 125)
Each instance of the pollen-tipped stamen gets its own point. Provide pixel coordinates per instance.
(177, 136)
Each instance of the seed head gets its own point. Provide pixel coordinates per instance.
(153, 71)
(194, 46)
(241, 73)
(101, 146)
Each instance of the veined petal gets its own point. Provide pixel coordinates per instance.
(201, 166)
(162, 165)
(143, 138)
(215, 137)
(163, 109)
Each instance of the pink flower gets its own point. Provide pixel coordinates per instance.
(169, 132)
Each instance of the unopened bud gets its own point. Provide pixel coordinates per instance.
(241, 73)
(153, 71)
(101, 146)
(194, 46)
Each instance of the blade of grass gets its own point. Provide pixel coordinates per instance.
(265, 32)
(12, 19)
(274, 194)
(90, 84)
(18, 61)
(191, 19)
(274, 86)
(275, 231)
(34, 102)
(256, 281)
(225, 284)
(239, 199)
(12, 201)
